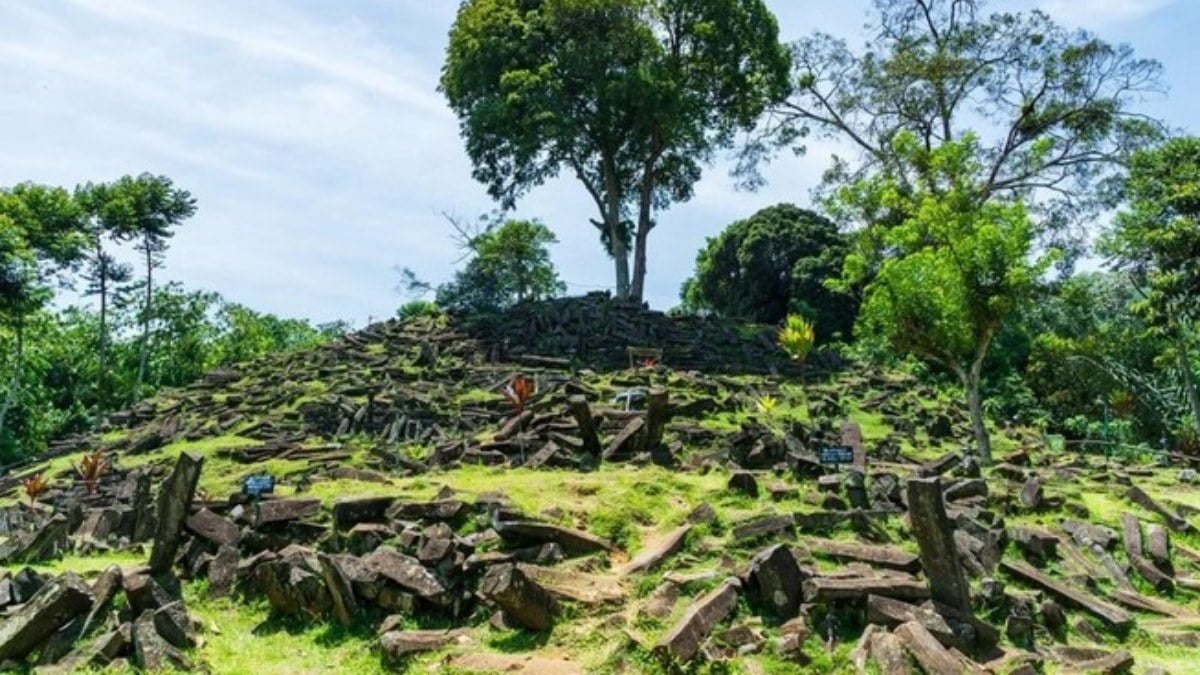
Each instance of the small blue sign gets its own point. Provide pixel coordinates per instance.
(837, 454)
(256, 486)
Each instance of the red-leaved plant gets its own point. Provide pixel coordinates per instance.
(91, 467)
(519, 391)
(35, 486)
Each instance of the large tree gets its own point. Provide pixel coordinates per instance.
(147, 208)
(1156, 241)
(1052, 109)
(41, 233)
(507, 263)
(943, 266)
(631, 97)
(771, 264)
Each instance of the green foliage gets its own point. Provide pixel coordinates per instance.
(797, 337)
(772, 263)
(509, 264)
(1157, 242)
(944, 268)
(418, 308)
(1054, 109)
(631, 97)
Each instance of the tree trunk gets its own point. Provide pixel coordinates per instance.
(645, 224)
(970, 380)
(14, 382)
(103, 339)
(145, 348)
(616, 234)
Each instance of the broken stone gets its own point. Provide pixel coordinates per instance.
(828, 589)
(174, 501)
(879, 556)
(222, 571)
(57, 603)
(397, 645)
(775, 576)
(213, 528)
(174, 625)
(744, 482)
(682, 642)
(283, 510)
(350, 511)
(1115, 617)
(341, 593)
(1031, 494)
(144, 593)
(652, 555)
(151, 652)
(522, 599)
(574, 542)
(408, 573)
(932, 530)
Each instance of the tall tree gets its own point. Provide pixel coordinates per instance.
(632, 97)
(1157, 242)
(105, 276)
(771, 264)
(40, 234)
(149, 207)
(1052, 108)
(943, 266)
(507, 263)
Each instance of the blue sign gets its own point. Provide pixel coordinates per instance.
(256, 486)
(837, 454)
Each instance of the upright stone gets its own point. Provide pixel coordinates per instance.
(587, 425)
(777, 578)
(173, 503)
(59, 601)
(852, 438)
(939, 556)
(657, 405)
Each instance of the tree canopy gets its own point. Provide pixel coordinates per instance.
(507, 263)
(631, 97)
(775, 262)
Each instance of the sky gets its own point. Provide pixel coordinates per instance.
(322, 156)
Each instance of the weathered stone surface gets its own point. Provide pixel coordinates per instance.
(143, 592)
(935, 537)
(408, 573)
(656, 551)
(574, 542)
(174, 501)
(743, 482)
(151, 652)
(879, 556)
(1138, 496)
(1132, 536)
(1120, 661)
(222, 571)
(397, 645)
(762, 526)
(1113, 616)
(48, 542)
(657, 414)
(103, 591)
(214, 528)
(775, 576)
(341, 593)
(1031, 494)
(522, 599)
(683, 640)
(927, 651)
(293, 582)
(587, 425)
(446, 510)
(350, 511)
(1158, 548)
(966, 489)
(1037, 545)
(887, 653)
(283, 510)
(173, 624)
(826, 589)
(57, 603)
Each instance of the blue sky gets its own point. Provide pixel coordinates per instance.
(322, 156)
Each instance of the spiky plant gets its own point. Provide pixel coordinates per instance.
(35, 486)
(796, 338)
(91, 467)
(767, 405)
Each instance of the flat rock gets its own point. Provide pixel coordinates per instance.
(57, 603)
(682, 642)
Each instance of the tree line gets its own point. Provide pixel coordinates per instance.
(64, 368)
(984, 151)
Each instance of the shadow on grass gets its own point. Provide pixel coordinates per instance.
(518, 640)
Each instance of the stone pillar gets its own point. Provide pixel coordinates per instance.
(174, 501)
(935, 537)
